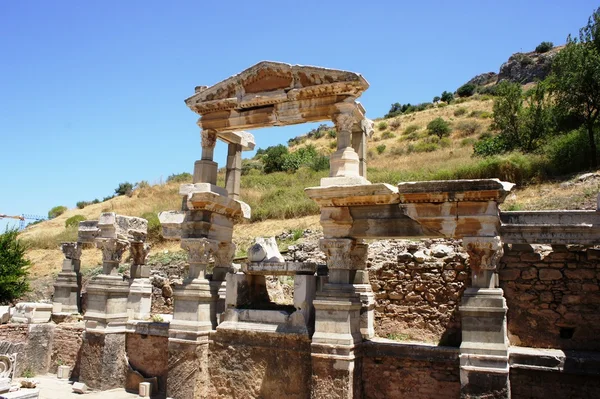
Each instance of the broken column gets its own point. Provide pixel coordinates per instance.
(205, 227)
(139, 301)
(236, 143)
(484, 368)
(67, 288)
(337, 337)
(103, 362)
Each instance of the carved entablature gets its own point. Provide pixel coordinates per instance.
(275, 94)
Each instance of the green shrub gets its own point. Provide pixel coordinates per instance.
(331, 133)
(468, 127)
(125, 188)
(447, 97)
(544, 47)
(439, 127)
(445, 142)
(56, 211)
(491, 146)
(249, 165)
(382, 125)
(184, 177)
(154, 227)
(380, 148)
(83, 204)
(333, 144)
(397, 151)
(436, 99)
(109, 197)
(567, 153)
(395, 123)
(74, 220)
(319, 163)
(274, 157)
(411, 129)
(460, 111)
(13, 267)
(387, 135)
(466, 90)
(467, 142)
(423, 146)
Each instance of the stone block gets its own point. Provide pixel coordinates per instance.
(4, 314)
(550, 274)
(145, 389)
(279, 268)
(63, 372)
(121, 227)
(88, 231)
(32, 312)
(264, 250)
(21, 394)
(80, 387)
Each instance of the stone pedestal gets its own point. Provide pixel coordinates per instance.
(67, 288)
(139, 301)
(484, 368)
(103, 362)
(335, 349)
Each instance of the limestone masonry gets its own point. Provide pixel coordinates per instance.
(477, 303)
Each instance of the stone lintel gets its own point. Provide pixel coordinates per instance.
(121, 227)
(88, 231)
(351, 195)
(454, 190)
(279, 268)
(241, 137)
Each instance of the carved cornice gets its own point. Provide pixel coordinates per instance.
(71, 250)
(112, 248)
(199, 249)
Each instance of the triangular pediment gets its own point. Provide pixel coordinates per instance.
(268, 78)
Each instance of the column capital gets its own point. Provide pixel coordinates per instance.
(484, 252)
(209, 138)
(112, 248)
(224, 254)
(344, 121)
(337, 251)
(139, 252)
(71, 250)
(199, 249)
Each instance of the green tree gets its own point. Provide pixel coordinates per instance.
(13, 267)
(537, 120)
(544, 47)
(447, 97)
(124, 189)
(466, 90)
(508, 109)
(575, 80)
(439, 127)
(274, 157)
(436, 99)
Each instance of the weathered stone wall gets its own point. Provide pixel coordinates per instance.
(418, 286)
(251, 364)
(147, 355)
(552, 292)
(537, 384)
(66, 347)
(395, 370)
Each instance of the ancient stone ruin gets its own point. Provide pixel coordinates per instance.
(523, 317)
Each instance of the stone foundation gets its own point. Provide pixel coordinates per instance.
(104, 361)
(188, 370)
(395, 370)
(147, 355)
(252, 364)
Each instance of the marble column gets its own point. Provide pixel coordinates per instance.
(484, 368)
(335, 344)
(205, 170)
(67, 288)
(194, 316)
(139, 302)
(234, 170)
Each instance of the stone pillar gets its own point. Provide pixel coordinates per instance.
(484, 368)
(362, 285)
(234, 170)
(360, 147)
(205, 170)
(108, 292)
(345, 161)
(194, 317)
(223, 264)
(139, 302)
(336, 363)
(67, 288)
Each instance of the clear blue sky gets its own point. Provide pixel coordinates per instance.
(92, 92)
